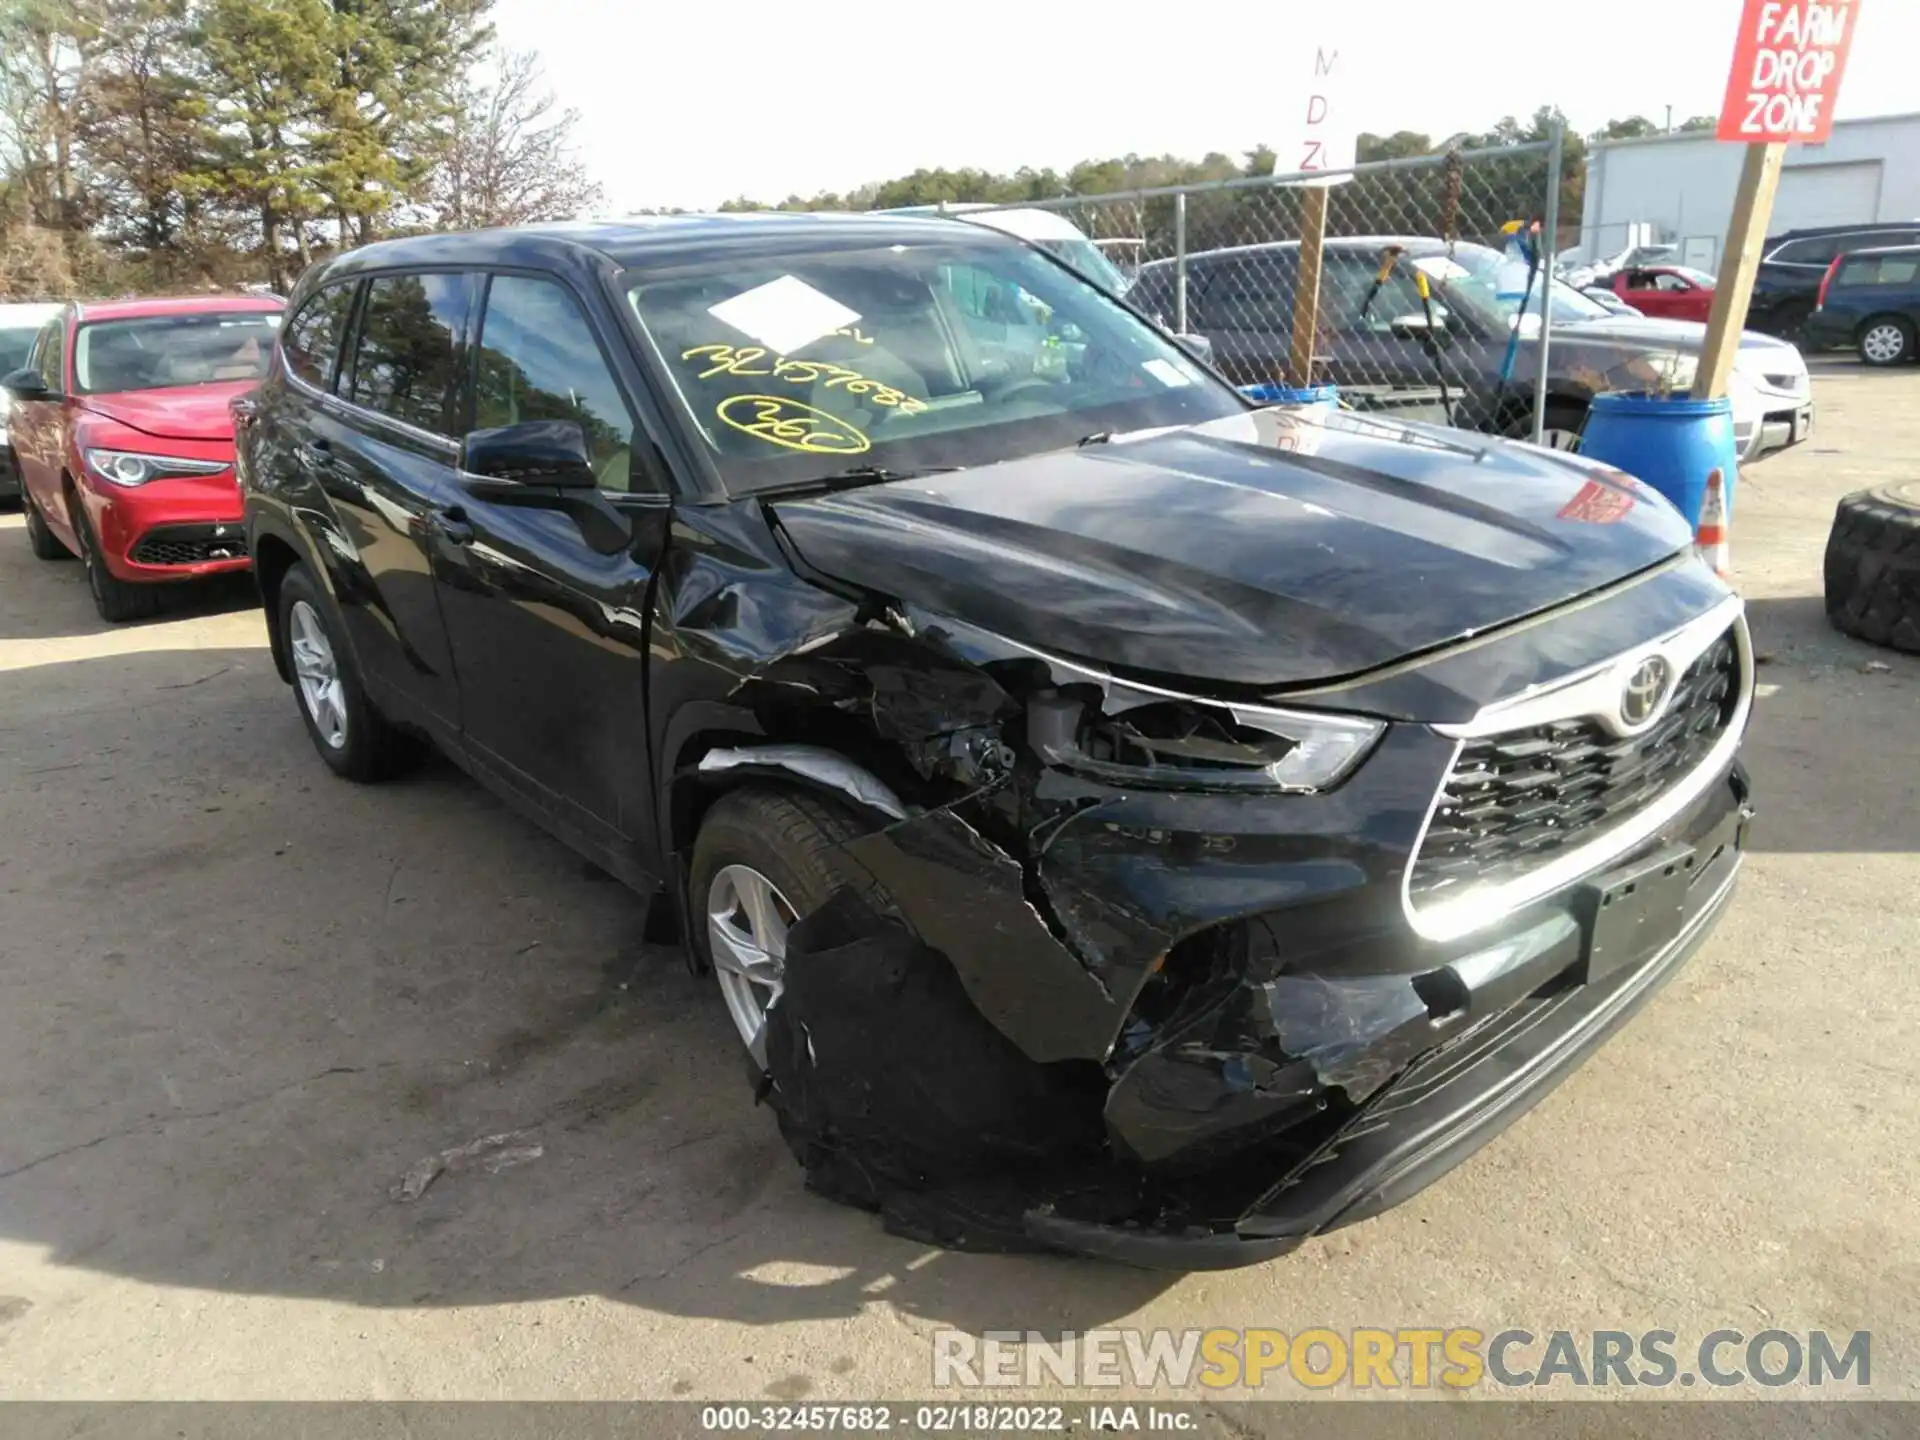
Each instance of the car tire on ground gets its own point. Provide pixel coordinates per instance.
(1873, 566)
(1886, 340)
(1790, 322)
(783, 840)
(41, 540)
(355, 740)
(1565, 420)
(114, 598)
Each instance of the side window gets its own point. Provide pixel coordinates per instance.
(1346, 282)
(1253, 292)
(311, 337)
(50, 353)
(403, 359)
(1670, 283)
(538, 361)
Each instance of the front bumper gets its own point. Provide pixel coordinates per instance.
(178, 529)
(1595, 955)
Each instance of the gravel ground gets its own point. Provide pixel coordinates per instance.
(244, 1000)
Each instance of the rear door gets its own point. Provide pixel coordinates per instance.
(548, 632)
(1244, 305)
(384, 449)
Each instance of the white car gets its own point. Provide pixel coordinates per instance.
(1772, 396)
(1047, 229)
(18, 326)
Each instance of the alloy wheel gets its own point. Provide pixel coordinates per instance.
(1560, 439)
(747, 923)
(1883, 344)
(317, 674)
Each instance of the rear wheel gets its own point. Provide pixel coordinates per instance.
(355, 740)
(114, 598)
(41, 539)
(1886, 340)
(1565, 420)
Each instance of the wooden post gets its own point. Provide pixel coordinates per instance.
(1306, 292)
(1733, 287)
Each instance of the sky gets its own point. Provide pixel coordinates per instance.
(691, 104)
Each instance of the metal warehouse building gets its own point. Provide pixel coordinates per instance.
(1679, 189)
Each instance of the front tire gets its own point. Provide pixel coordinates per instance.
(1886, 340)
(356, 740)
(1565, 420)
(763, 859)
(40, 538)
(116, 600)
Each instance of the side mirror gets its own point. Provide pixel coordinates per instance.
(550, 453)
(1198, 346)
(25, 384)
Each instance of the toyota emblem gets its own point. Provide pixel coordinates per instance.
(1646, 687)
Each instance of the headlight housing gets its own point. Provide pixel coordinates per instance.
(129, 467)
(1176, 743)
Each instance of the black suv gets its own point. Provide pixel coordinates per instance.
(1120, 818)
(1786, 287)
(1871, 301)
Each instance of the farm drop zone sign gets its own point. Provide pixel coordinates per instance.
(1787, 64)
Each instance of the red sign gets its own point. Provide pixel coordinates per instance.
(1786, 70)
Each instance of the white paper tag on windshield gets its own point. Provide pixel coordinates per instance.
(784, 314)
(1166, 372)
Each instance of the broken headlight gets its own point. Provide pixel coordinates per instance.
(1178, 744)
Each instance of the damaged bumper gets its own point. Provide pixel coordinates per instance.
(1614, 942)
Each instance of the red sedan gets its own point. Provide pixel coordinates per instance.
(1672, 292)
(124, 443)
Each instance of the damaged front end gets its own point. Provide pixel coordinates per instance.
(1130, 973)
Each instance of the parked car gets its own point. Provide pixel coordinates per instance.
(1786, 287)
(1602, 271)
(121, 429)
(1870, 299)
(1670, 292)
(1120, 818)
(1374, 336)
(1049, 230)
(19, 324)
(1608, 301)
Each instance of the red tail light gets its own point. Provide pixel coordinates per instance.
(1826, 280)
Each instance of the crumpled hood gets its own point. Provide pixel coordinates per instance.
(181, 412)
(1261, 550)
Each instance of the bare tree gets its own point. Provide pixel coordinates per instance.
(510, 155)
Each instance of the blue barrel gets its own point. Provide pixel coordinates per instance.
(1323, 397)
(1672, 444)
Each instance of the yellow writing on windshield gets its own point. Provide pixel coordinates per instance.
(788, 423)
(753, 360)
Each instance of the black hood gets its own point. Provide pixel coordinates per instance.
(1255, 551)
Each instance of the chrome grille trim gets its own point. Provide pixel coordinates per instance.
(1591, 694)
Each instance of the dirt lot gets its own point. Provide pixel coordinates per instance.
(242, 998)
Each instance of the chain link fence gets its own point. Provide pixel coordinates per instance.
(1419, 309)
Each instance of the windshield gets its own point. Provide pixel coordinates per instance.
(158, 351)
(1472, 280)
(1090, 260)
(796, 365)
(14, 345)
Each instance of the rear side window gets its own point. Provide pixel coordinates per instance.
(313, 334)
(404, 357)
(50, 353)
(1879, 270)
(1251, 292)
(538, 361)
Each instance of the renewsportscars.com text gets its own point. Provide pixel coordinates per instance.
(1364, 1358)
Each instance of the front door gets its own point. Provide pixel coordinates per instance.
(382, 447)
(548, 631)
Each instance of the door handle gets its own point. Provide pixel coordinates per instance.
(453, 525)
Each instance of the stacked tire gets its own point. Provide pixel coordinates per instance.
(1873, 566)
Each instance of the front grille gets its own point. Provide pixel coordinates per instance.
(1513, 800)
(190, 544)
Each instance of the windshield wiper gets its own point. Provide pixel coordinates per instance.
(853, 477)
(1099, 437)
